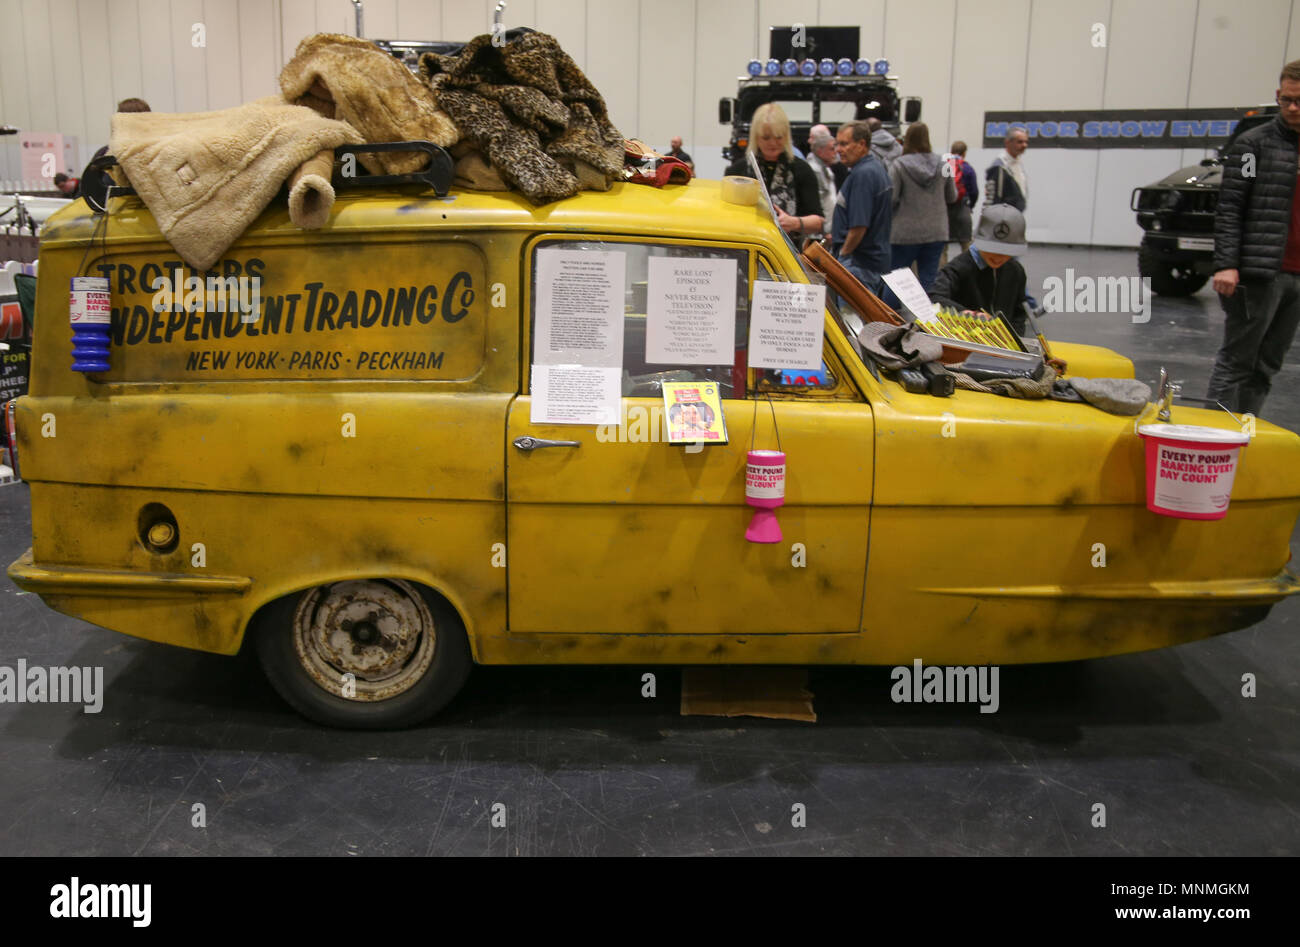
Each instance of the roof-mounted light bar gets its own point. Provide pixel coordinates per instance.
(827, 68)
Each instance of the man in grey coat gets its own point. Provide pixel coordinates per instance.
(884, 146)
(1257, 253)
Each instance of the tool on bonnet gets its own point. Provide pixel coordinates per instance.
(1038, 332)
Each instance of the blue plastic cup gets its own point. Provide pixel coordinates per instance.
(90, 309)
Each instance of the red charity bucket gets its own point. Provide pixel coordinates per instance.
(1190, 469)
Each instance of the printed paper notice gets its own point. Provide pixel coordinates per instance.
(690, 311)
(786, 325)
(576, 394)
(578, 337)
(908, 289)
(579, 308)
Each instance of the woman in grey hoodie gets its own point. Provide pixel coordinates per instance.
(922, 193)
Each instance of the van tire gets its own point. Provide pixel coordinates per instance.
(299, 651)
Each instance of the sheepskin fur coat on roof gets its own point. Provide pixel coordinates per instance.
(205, 176)
(530, 110)
(354, 80)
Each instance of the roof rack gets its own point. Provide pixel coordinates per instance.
(437, 175)
(409, 52)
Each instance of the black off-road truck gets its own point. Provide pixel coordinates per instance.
(815, 99)
(1176, 215)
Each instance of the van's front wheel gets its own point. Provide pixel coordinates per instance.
(364, 654)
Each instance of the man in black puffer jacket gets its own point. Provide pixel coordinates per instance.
(1257, 253)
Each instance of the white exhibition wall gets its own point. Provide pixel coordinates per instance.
(663, 64)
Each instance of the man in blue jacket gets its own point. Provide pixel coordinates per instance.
(863, 209)
(1257, 253)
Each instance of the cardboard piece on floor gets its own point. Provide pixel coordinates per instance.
(739, 691)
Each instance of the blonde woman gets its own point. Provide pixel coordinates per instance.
(790, 181)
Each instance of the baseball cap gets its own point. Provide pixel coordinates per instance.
(1001, 230)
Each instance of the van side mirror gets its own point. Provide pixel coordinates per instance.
(911, 110)
(725, 106)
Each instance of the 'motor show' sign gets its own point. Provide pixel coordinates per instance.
(1116, 128)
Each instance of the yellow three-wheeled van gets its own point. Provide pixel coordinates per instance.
(352, 477)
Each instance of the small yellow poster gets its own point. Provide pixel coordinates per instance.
(693, 410)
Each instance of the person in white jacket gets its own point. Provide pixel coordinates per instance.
(1005, 181)
(822, 159)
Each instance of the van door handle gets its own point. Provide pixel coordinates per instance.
(533, 443)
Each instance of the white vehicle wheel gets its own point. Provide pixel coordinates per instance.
(368, 653)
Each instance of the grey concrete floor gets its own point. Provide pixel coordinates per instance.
(583, 765)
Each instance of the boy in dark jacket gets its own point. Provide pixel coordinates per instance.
(1257, 253)
(989, 277)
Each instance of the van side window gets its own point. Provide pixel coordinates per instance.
(642, 379)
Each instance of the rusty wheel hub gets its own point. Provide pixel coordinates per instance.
(365, 640)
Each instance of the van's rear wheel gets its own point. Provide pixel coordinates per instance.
(365, 654)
